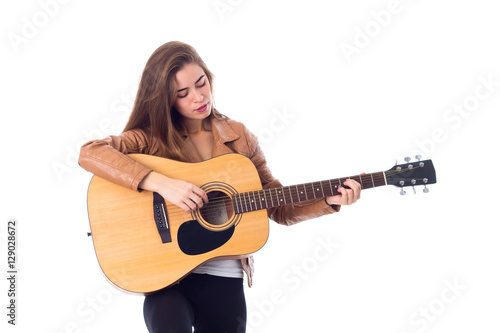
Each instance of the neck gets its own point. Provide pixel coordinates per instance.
(195, 126)
(274, 197)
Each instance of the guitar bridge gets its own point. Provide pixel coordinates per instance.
(161, 220)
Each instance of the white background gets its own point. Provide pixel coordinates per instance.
(69, 74)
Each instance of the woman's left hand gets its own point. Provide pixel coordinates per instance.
(347, 196)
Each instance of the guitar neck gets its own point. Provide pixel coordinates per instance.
(280, 196)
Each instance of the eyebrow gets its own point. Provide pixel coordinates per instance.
(201, 77)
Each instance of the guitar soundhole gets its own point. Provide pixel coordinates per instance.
(218, 210)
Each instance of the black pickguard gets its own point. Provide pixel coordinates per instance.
(194, 239)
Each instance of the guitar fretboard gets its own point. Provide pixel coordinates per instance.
(280, 196)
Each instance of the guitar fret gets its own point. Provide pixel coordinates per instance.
(290, 191)
(360, 181)
(275, 197)
(316, 191)
(334, 187)
(248, 202)
(260, 200)
(246, 206)
(235, 205)
(255, 201)
(370, 178)
(329, 188)
(243, 204)
(235, 200)
(240, 204)
(251, 201)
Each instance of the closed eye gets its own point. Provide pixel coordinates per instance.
(202, 85)
(186, 90)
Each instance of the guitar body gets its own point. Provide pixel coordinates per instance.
(144, 244)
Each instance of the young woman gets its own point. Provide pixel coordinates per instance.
(174, 117)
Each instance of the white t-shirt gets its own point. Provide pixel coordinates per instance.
(225, 268)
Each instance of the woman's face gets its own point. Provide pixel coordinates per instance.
(194, 97)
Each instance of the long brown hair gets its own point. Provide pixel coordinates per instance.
(154, 109)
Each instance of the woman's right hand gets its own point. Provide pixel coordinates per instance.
(179, 192)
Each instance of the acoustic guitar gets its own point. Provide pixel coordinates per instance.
(144, 243)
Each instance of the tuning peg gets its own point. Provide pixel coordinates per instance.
(418, 157)
(407, 159)
(403, 192)
(425, 190)
(413, 181)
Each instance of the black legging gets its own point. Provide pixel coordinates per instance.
(207, 303)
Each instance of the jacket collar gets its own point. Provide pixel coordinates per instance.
(222, 132)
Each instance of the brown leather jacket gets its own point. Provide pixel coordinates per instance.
(107, 158)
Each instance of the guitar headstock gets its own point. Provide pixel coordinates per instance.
(412, 174)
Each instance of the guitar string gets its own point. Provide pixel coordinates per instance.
(292, 192)
(210, 211)
(275, 197)
(310, 190)
(378, 176)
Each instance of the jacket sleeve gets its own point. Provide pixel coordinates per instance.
(107, 158)
(288, 214)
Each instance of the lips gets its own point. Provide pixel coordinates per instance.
(202, 108)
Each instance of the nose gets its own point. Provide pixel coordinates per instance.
(198, 97)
